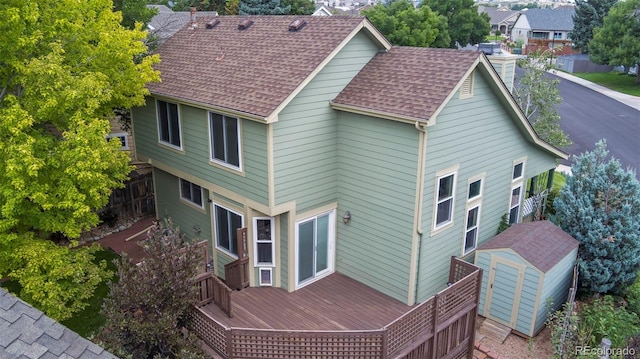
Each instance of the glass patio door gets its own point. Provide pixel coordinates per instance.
(314, 243)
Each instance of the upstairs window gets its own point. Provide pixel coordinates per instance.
(518, 171)
(122, 138)
(444, 200)
(169, 124)
(225, 140)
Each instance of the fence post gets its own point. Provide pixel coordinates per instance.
(434, 345)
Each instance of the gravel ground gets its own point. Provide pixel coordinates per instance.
(515, 347)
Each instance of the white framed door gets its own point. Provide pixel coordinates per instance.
(314, 248)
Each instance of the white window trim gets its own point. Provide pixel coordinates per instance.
(330, 250)
(239, 131)
(470, 207)
(162, 142)
(519, 205)
(524, 167)
(256, 241)
(472, 180)
(264, 269)
(436, 226)
(120, 135)
(188, 200)
(215, 227)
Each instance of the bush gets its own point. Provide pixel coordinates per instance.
(603, 318)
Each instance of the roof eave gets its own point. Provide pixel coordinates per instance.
(375, 113)
(213, 108)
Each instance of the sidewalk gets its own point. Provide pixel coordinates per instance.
(631, 101)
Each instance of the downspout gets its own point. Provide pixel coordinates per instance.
(417, 218)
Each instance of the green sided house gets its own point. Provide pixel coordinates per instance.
(338, 156)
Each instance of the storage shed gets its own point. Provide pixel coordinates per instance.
(522, 267)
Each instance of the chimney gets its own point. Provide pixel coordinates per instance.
(505, 66)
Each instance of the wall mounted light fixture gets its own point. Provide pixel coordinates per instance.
(346, 217)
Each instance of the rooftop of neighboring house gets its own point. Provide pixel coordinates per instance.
(499, 14)
(25, 332)
(167, 22)
(550, 19)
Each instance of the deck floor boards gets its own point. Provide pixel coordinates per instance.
(336, 302)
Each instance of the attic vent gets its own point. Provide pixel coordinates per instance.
(212, 23)
(244, 24)
(466, 90)
(297, 25)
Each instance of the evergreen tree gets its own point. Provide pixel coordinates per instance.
(466, 25)
(589, 15)
(599, 206)
(617, 42)
(148, 310)
(300, 7)
(263, 7)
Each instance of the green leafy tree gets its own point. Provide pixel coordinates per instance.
(231, 7)
(617, 42)
(599, 207)
(150, 307)
(405, 25)
(263, 7)
(300, 7)
(65, 65)
(589, 15)
(465, 24)
(538, 95)
(134, 11)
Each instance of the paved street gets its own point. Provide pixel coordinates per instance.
(588, 116)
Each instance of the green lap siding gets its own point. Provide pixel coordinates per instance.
(377, 184)
(557, 282)
(306, 135)
(284, 251)
(184, 216)
(195, 160)
(478, 135)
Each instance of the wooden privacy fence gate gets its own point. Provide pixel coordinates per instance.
(441, 327)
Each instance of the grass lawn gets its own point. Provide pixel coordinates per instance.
(89, 320)
(616, 81)
(559, 180)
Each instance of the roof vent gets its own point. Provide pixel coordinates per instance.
(297, 25)
(212, 23)
(244, 24)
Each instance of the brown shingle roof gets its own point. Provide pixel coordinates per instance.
(411, 82)
(251, 71)
(541, 243)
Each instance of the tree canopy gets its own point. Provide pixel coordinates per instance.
(300, 7)
(405, 25)
(148, 310)
(465, 24)
(263, 7)
(599, 207)
(589, 15)
(65, 65)
(538, 95)
(617, 42)
(134, 11)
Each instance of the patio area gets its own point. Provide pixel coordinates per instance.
(336, 302)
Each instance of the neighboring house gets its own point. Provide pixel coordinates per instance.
(501, 18)
(167, 22)
(322, 10)
(336, 151)
(28, 333)
(545, 29)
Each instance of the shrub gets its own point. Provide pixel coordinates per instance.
(602, 318)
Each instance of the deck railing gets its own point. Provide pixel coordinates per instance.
(443, 326)
(236, 274)
(212, 289)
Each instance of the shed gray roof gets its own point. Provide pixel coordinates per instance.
(548, 19)
(498, 15)
(412, 82)
(26, 333)
(541, 243)
(167, 22)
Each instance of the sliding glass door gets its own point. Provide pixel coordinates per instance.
(314, 243)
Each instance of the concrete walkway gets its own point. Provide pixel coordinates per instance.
(631, 101)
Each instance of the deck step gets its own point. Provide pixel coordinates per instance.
(494, 330)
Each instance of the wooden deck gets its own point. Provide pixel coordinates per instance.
(332, 303)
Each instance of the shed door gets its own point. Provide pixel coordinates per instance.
(503, 292)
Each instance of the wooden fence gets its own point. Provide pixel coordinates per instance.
(441, 327)
(212, 289)
(136, 199)
(236, 273)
